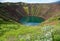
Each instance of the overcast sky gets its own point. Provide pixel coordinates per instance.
(30, 1)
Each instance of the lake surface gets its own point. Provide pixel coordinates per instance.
(31, 20)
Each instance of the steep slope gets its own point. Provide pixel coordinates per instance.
(16, 11)
(44, 10)
(12, 11)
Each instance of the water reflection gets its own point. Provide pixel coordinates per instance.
(31, 20)
(31, 24)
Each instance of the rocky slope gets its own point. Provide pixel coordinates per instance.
(18, 10)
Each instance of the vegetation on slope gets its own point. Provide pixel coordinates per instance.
(17, 32)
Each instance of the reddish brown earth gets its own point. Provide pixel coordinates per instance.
(17, 11)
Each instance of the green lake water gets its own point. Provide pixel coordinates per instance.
(31, 20)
